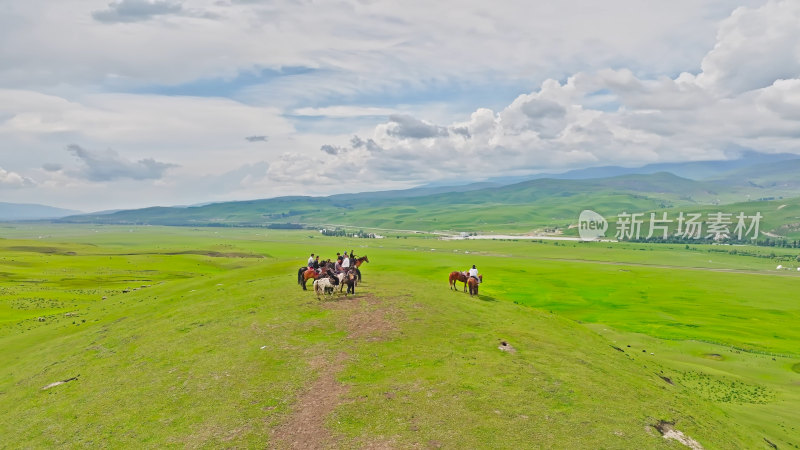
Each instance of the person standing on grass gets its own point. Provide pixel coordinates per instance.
(473, 272)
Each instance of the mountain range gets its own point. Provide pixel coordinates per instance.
(24, 211)
(532, 205)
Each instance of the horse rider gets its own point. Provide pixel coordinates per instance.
(346, 263)
(316, 263)
(337, 267)
(473, 272)
(310, 261)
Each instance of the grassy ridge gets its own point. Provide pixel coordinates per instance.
(181, 362)
(523, 207)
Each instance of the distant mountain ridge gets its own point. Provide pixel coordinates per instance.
(26, 211)
(531, 205)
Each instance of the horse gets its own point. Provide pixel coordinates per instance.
(305, 274)
(357, 263)
(458, 276)
(350, 279)
(473, 285)
(340, 280)
(324, 285)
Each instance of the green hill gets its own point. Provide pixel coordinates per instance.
(542, 197)
(532, 205)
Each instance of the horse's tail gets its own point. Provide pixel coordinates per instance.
(300, 275)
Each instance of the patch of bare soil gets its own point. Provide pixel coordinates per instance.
(506, 347)
(375, 321)
(668, 431)
(305, 427)
(367, 318)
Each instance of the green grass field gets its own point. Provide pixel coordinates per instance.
(201, 337)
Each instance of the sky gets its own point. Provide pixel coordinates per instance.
(134, 103)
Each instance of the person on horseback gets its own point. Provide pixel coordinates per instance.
(346, 262)
(316, 263)
(338, 266)
(311, 261)
(473, 272)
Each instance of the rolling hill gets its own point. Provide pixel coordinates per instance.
(532, 205)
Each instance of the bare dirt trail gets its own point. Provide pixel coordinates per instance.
(366, 319)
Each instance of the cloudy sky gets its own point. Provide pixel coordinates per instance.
(133, 103)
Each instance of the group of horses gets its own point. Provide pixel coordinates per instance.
(469, 282)
(326, 279)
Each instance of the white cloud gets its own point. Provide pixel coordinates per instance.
(639, 120)
(754, 48)
(373, 45)
(14, 180)
(619, 82)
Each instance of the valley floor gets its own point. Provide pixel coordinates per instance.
(201, 337)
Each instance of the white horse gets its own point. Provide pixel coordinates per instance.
(323, 285)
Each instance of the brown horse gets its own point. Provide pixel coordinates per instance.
(473, 285)
(358, 262)
(458, 276)
(305, 274)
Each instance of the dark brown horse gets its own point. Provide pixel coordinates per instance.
(350, 280)
(458, 276)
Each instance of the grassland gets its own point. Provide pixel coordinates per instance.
(214, 344)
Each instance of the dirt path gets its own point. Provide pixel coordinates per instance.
(305, 428)
(366, 319)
